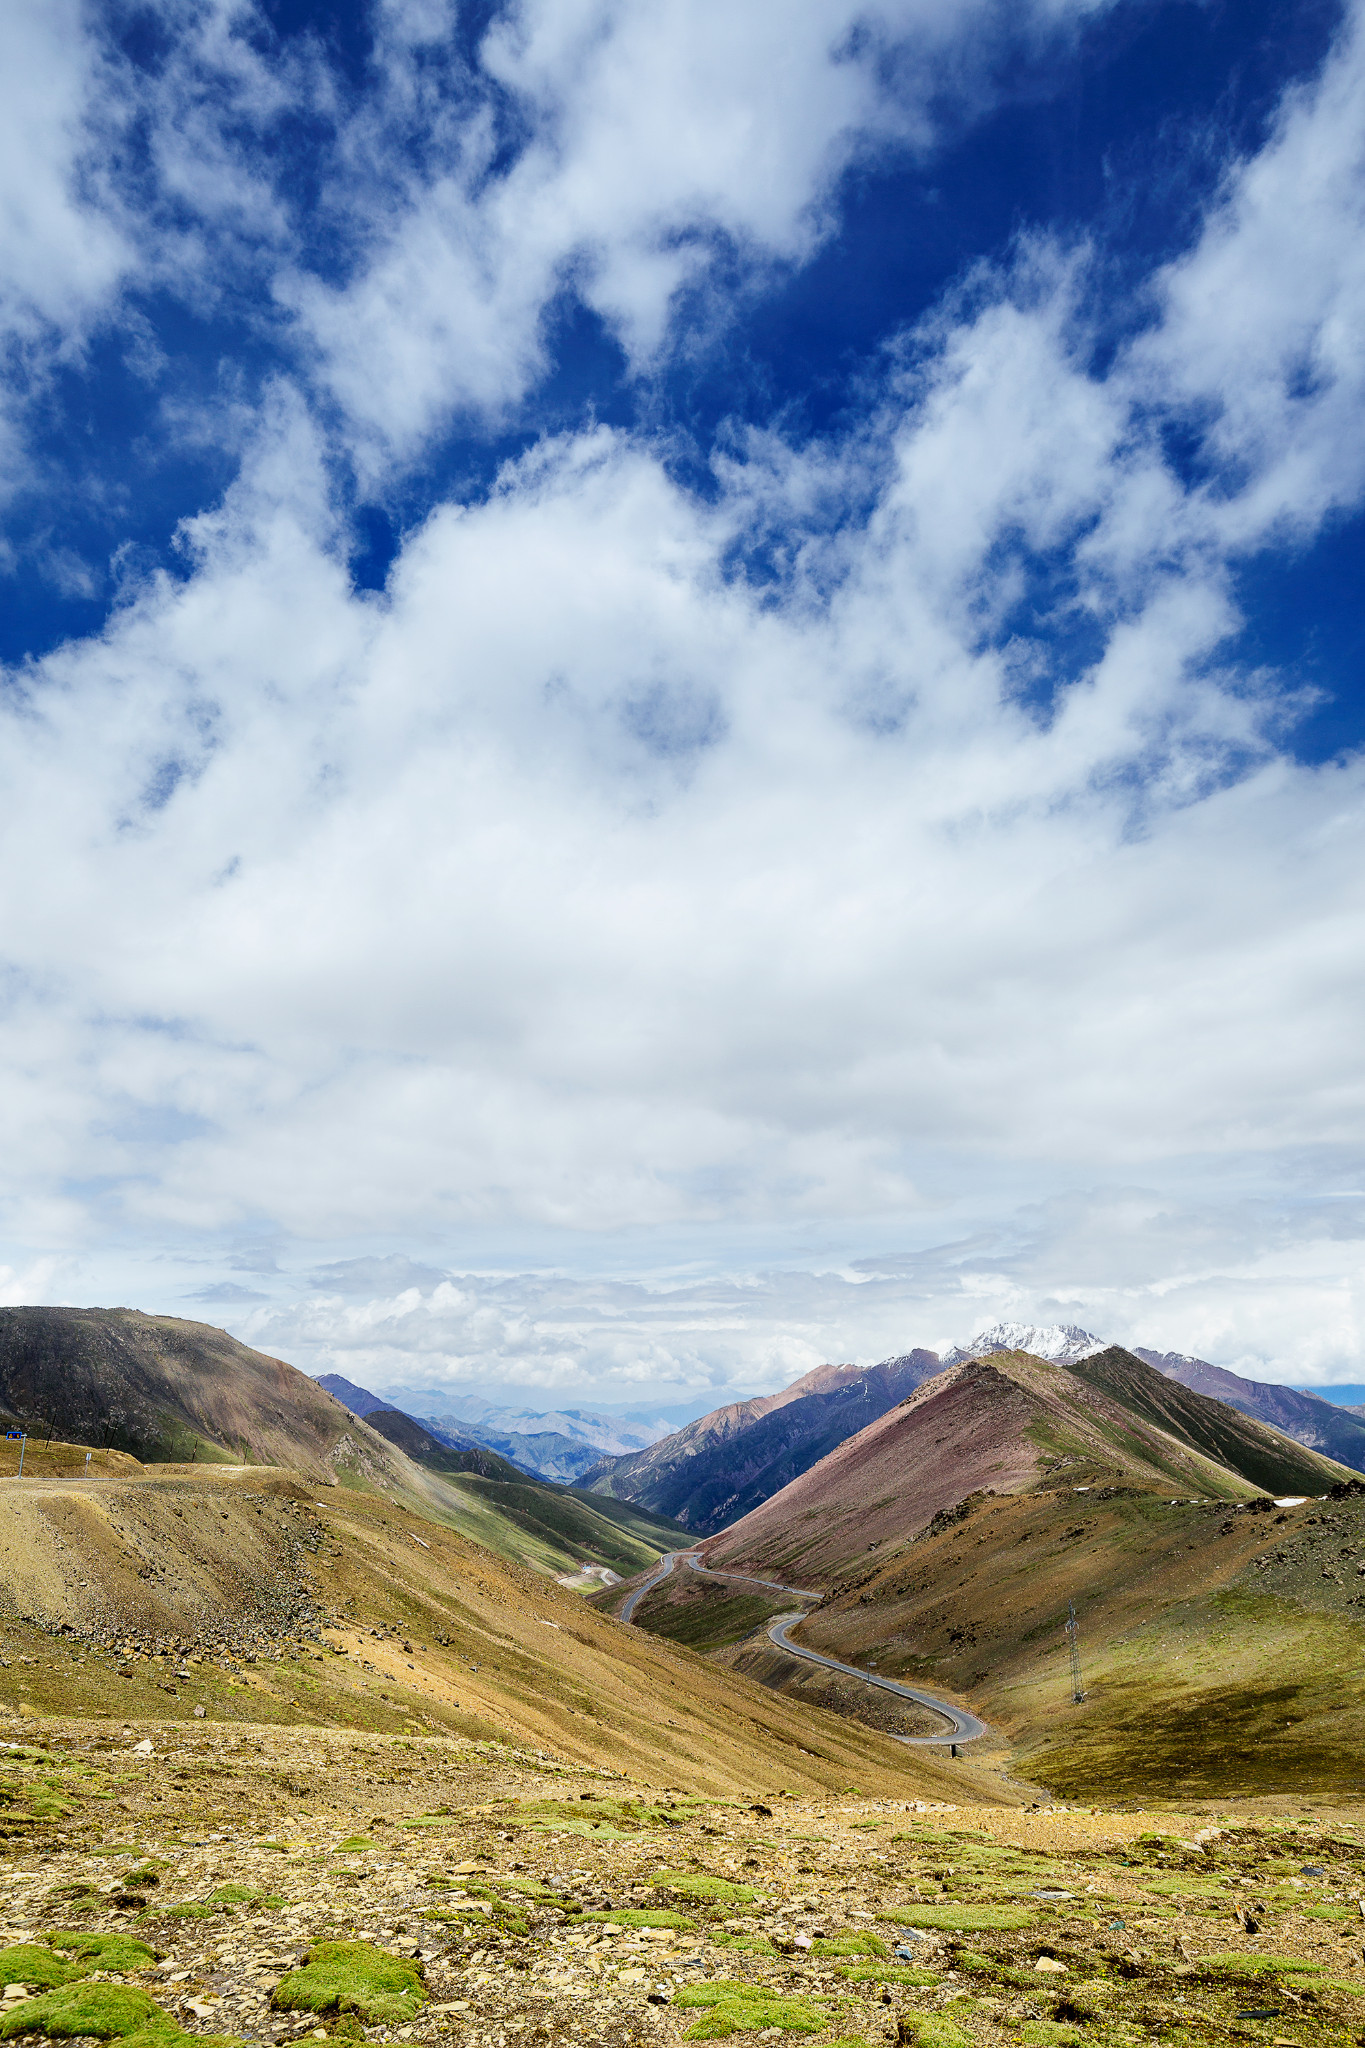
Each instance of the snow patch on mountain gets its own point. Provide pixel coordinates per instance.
(1062, 1343)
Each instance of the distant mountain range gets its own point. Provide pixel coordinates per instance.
(560, 1445)
(721, 1467)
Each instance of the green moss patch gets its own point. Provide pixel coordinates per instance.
(115, 1952)
(692, 1884)
(747, 1944)
(189, 1910)
(647, 1916)
(352, 1976)
(851, 1944)
(39, 1968)
(234, 1895)
(932, 2030)
(1052, 2034)
(606, 1818)
(966, 1919)
(353, 1844)
(103, 2010)
(1261, 1966)
(728, 2007)
(890, 1973)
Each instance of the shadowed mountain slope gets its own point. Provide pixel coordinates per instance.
(719, 1467)
(162, 1388)
(1336, 1432)
(438, 1454)
(1260, 1453)
(359, 1400)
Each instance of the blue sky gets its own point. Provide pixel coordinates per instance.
(683, 685)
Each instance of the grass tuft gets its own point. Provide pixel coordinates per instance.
(352, 1976)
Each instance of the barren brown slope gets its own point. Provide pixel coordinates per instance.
(997, 1424)
(348, 1611)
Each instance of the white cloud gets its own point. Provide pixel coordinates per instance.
(653, 134)
(574, 888)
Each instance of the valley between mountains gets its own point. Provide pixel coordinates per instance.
(323, 1725)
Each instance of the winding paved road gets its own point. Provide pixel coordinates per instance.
(963, 1726)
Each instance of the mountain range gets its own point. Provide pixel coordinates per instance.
(560, 1445)
(1000, 1423)
(718, 1468)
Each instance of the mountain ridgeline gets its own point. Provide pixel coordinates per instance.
(1009, 1423)
(719, 1468)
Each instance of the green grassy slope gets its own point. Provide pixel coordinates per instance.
(1259, 1453)
(553, 1528)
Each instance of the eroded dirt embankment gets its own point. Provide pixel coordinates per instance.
(161, 1562)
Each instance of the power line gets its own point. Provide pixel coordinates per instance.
(1073, 1633)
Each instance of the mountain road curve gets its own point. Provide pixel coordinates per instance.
(963, 1725)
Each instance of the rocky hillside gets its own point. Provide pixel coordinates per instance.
(258, 1600)
(719, 1467)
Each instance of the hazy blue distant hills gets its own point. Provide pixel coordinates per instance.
(717, 1468)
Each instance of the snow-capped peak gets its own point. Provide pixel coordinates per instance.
(1062, 1343)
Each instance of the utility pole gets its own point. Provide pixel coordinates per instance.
(1074, 1638)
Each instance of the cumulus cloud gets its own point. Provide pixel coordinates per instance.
(584, 883)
